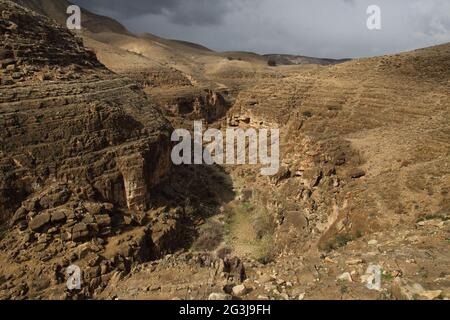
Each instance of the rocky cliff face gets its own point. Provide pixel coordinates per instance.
(365, 153)
(192, 103)
(80, 146)
(66, 118)
(343, 128)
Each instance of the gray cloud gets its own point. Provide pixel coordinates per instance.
(326, 28)
(182, 12)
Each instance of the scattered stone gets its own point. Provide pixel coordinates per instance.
(354, 262)
(88, 219)
(357, 173)
(52, 230)
(28, 237)
(329, 260)
(265, 278)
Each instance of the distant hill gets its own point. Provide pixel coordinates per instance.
(112, 32)
(287, 59)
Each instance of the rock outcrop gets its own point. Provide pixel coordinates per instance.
(81, 148)
(68, 119)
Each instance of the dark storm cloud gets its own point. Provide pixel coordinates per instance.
(183, 12)
(326, 28)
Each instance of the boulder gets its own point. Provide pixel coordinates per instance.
(240, 290)
(430, 295)
(94, 208)
(234, 267)
(406, 290)
(20, 215)
(54, 198)
(346, 276)
(80, 232)
(103, 220)
(220, 297)
(38, 223)
(58, 216)
(6, 62)
(357, 173)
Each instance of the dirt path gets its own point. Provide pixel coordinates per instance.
(241, 236)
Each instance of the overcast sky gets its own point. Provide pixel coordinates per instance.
(325, 28)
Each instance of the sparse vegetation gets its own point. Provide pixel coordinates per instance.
(247, 206)
(211, 236)
(344, 289)
(265, 249)
(264, 227)
(341, 240)
(386, 276)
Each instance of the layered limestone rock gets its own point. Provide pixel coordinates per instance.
(192, 103)
(81, 149)
(67, 118)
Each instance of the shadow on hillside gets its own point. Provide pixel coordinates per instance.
(193, 193)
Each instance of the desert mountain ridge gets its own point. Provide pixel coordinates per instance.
(94, 23)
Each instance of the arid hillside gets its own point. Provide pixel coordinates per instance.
(364, 182)
(86, 177)
(366, 157)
